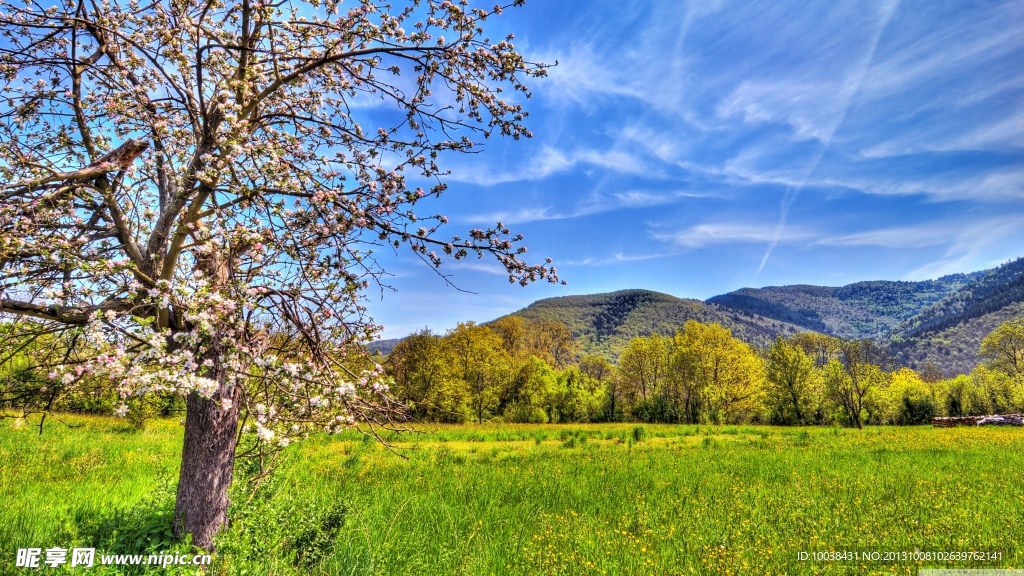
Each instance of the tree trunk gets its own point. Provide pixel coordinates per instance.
(796, 405)
(207, 464)
(611, 407)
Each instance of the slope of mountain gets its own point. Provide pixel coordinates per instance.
(383, 346)
(861, 310)
(993, 290)
(937, 323)
(947, 334)
(605, 323)
(954, 349)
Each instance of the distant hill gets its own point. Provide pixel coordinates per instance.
(383, 346)
(861, 310)
(953, 350)
(947, 334)
(938, 322)
(605, 323)
(991, 291)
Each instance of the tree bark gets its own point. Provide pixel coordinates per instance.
(207, 464)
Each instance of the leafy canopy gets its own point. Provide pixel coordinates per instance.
(193, 191)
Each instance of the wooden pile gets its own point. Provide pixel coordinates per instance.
(997, 420)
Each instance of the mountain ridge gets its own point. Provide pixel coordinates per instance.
(937, 323)
(604, 323)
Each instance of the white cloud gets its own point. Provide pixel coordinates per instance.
(596, 203)
(520, 216)
(730, 233)
(969, 245)
(651, 66)
(996, 185)
(812, 107)
(477, 265)
(925, 58)
(551, 161)
(644, 199)
(905, 237)
(582, 74)
(617, 258)
(999, 133)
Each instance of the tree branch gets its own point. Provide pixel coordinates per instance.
(64, 314)
(117, 159)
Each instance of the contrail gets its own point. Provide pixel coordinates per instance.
(849, 90)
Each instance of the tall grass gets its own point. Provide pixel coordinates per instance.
(528, 499)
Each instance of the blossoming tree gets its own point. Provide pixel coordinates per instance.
(192, 193)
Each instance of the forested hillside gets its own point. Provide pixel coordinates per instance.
(605, 323)
(991, 291)
(929, 325)
(946, 334)
(383, 346)
(861, 310)
(954, 349)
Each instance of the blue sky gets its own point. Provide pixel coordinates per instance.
(695, 148)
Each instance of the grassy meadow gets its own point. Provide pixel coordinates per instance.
(533, 499)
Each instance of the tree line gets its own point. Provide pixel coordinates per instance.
(515, 370)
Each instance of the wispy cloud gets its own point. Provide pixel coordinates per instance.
(581, 74)
(968, 245)
(653, 68)
(550, 161)
(952, 184)
(730, 233)
(617, 258)
(519, 216)
(595, 203)
(904, 237)
(481, 265)
(961, 239)
(1002, 133)
(930, 53)
(812, 108)
(644, 198)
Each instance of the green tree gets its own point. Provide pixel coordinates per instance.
(552, 342)
(966, 396)
(549, 340)
(908, 399)
(1003, 348)
(852, 379)
(720, 377)
(821, 347)
(23, 385)
(600, 370)
(581, 397)
(532, 393)
(23, 382)
(1004, 393)
(482, 363)
(643, 367)
(794, 384)
(512, 330)
(423, 367)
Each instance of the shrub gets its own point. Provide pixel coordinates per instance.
(916, 409)
(526, 414)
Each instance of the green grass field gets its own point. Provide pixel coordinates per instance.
(531, 499)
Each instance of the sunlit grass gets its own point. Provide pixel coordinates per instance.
(528, 499)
